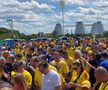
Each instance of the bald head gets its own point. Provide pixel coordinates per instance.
(101, 74)
(100, 70)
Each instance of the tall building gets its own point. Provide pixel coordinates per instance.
(58, 29)
(80, 29)
(97, 28)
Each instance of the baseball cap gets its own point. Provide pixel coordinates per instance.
(86, 84)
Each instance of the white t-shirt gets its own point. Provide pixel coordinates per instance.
(51, 80)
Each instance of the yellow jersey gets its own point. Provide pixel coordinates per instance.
(72, 42)
(85, 64)
(27, 77)
(84, 76)
(70, 52)
(103, 86)
(69, 62)
(13, 73)
(38, 77)
(19, 51)
(62, 81)
(61, 66)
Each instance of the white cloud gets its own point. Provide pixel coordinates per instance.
(32, 17)
(73, 2)
(25, 5)
(76, 2)
(100, 2)
(24, 16)
(72, 14)
(89, 10)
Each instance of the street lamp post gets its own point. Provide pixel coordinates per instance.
(10, 21)
(62, 3)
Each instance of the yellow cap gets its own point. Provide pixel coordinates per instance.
(90, 52)
(104, 45)
(87, 48)
(86, 84)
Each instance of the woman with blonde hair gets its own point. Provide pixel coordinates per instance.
(78, 76)
(19, 83)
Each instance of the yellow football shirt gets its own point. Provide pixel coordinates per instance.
(61, 66)
(13, 73)
(84, 76)
(70, 52)
(69, 62)
(27, 77)
(103, 86)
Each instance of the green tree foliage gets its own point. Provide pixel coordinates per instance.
(105, 34)
(6, 33)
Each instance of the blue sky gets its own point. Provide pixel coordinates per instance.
(33, 16)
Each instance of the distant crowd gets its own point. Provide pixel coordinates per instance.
(73, 64)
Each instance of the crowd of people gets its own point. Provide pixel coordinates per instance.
(73, 64)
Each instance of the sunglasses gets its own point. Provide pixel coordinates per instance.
(74, 68)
